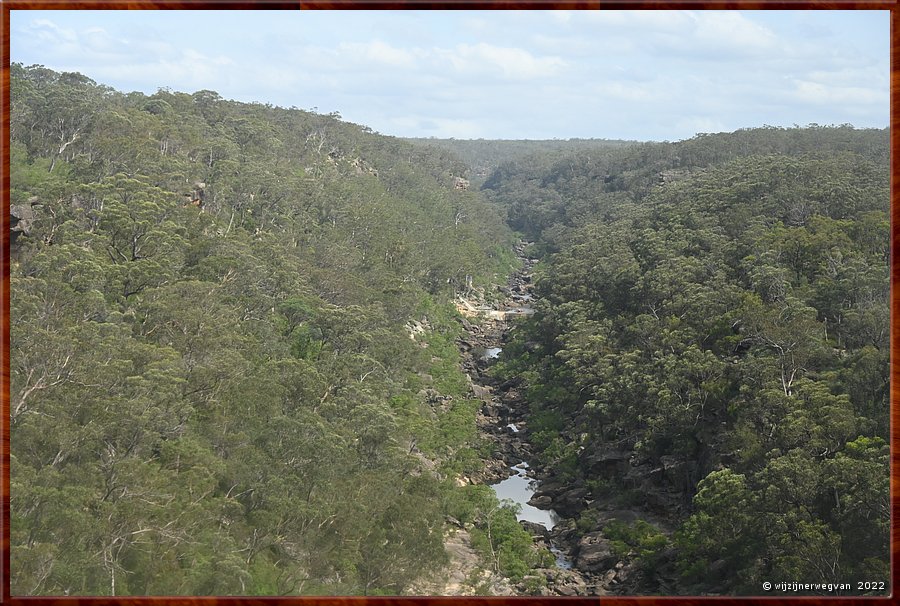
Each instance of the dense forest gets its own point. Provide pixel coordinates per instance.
(214, 385)
(711, 342)
(235, 363)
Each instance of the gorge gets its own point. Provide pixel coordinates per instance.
(265, 351)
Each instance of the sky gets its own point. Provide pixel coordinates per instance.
(637, 75)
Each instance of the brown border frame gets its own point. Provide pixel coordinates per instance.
(7, 5)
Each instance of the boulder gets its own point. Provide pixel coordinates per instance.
(637, 476)
(534, 529)
(510, 383)
(453, 521)
(571, 589)
(510, 395)
(571, 502)
(21, 216)
(432, 396)
(481, 392)
(465, 323)
(607, 462)
(540, 501)
(550, 487)
(594, 553)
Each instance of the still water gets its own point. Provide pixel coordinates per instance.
(492, 352)
(519, 488)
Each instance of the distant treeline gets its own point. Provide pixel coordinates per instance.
(482, 156)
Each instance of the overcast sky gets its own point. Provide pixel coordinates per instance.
(646, 75)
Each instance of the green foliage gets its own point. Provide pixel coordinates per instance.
(534, 584)
(213, 388)
(718, 309)
(500, 539)
(497, 536)
(641, 541)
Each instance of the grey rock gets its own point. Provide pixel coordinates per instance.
(571, 590)
(482, 392)
(21, 216)
(540, 501)
(536, 530)
(594, 553)
(572, 499)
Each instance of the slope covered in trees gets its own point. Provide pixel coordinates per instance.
(711, 344)
(214, 384)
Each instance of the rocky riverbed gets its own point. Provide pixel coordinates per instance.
(572, 517)
(589, 565)
(502, 420)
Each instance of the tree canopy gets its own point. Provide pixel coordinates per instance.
(719, 308)
(213, 387)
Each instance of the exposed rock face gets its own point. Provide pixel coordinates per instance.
(607, 462)
(464, 568)
(571, 502)
(536, 530)
(595, 553)
(541, 502)
(21, 216)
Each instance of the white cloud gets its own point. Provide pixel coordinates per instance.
(819, 94)
(99, 55)
(98, 40)
(377, 52)
(47, 31)
(509, 62)
(729, 29)
(190, 72)
(641, 74)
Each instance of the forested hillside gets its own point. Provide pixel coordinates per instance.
(235, 355)
(225, 317)
(711, 345)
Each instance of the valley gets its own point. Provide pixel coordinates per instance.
(265, 351)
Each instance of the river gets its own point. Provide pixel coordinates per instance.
(519, 487)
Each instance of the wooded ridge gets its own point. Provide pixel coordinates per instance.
(214, 387)
(710, 344)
